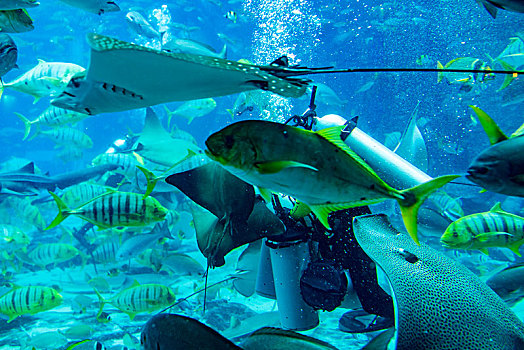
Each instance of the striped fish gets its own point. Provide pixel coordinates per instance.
(30, 213)
(45, 79)
(12, 236)
(139, 298)
(52, 116)
(105, 253)
(81, 193)
(495, 228)
(113, 209)
(67, 137)
(28, 300)
(447, 205)
(52, 253)
(128, 161)
(466, 80)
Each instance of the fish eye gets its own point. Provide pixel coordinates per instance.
(229, 141)
(482, 170)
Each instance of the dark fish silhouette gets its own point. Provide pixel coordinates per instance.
(8, 54)
(25, 182)
(173, 332)
(235, 216)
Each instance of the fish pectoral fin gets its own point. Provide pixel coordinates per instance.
(53, 81)
(515, 247)
(484, 237)
(322, 211)
(265, 193)
(277, 166)
(299, 210)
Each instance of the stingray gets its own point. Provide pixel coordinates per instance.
(123, 76)
(156, 145)
(233, 215)
(439, 303)
(215, 240)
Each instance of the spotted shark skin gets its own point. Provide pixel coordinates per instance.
(152, 77)
(439, 303)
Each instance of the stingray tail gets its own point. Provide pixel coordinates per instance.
(413, 199)
(63, 211)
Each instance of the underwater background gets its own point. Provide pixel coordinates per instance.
(342, 34)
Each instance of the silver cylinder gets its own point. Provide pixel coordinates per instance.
(289, 260)
(389, 166)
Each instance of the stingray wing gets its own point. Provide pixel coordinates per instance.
(123, 76)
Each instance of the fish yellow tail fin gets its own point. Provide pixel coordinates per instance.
(27, 124)
(63, 211)
(509, 77)
(102, 302)
(440, 74)
(413, 199)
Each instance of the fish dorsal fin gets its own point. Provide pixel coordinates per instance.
(497, 208)
(282, 61)
(332, 135)
(134, 284)
(490, 127)
(29, 168)
(518, 132)
(293, 335)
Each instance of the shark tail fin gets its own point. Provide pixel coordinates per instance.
(63, 211)
(413, 199)
(27, 124)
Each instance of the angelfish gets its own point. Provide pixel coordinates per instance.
(316, 168)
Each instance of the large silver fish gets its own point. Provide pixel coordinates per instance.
(492, 6)
(159, 77)
(94, 6)
(499, 168)
(15, 21)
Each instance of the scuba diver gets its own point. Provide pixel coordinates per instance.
(324, 284)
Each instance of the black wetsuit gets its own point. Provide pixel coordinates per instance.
(342, 248)
(339, 246)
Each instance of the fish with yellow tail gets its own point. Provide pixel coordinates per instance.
(113, 209)
(28, 300)
(499, 168)
(139, 298)
(495, 228)
(316, 168)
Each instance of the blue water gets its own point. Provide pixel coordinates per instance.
(361, 34)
